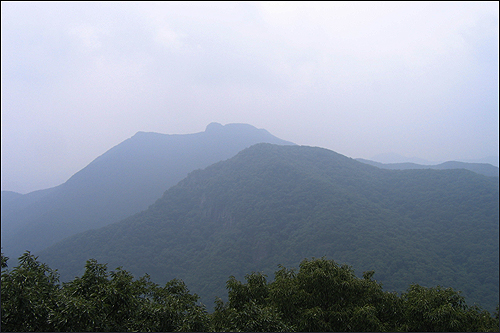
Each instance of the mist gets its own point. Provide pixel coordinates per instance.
(363, 79)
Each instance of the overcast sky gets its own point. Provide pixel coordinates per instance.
(360, 78)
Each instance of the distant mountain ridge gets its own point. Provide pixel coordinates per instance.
(392, 158)
(396, 158)
(273, 205)
(124, 180)
(480, 168)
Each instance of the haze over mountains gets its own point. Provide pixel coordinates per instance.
(392, 158)
(480, 168)
(126, 179)
(267, 205)
(273, 205)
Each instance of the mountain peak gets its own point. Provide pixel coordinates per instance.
(124, 180)
(213, 127)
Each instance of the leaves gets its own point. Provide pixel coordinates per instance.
(326, 296)
(321, 296)
(440, 309)
(29, 293)
(98, 301)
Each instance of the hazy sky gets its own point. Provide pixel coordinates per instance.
(416, 79)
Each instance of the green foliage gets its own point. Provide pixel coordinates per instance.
(4, 260)
(248, 309)
(252, 317)
(29, 292)
(321, 296)
(172, 308)
(32, 300)
(334, 299)
(442, 310)
(325, 296)
(94, 302)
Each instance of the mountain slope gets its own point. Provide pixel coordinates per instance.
(124, 180)
(480, 168)
(272, 205)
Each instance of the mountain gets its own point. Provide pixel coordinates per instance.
(480, 168)
(396, 158)
(493, 160)
(273, 205)
(9, 196)
(393, 158)
(123, 181)
(14, 204)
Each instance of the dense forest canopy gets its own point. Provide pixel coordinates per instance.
(273, 204)
(321, 296)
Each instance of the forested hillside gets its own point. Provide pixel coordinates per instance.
(123, 181)
(272, 205)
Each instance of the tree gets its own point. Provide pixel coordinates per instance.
(325, 296)
(172, 308)
(440, 309)
(248, 308)
(322, 296)
(29, 293)
(33, 300)
(99, 301)
(94, 302)
(4, 260)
